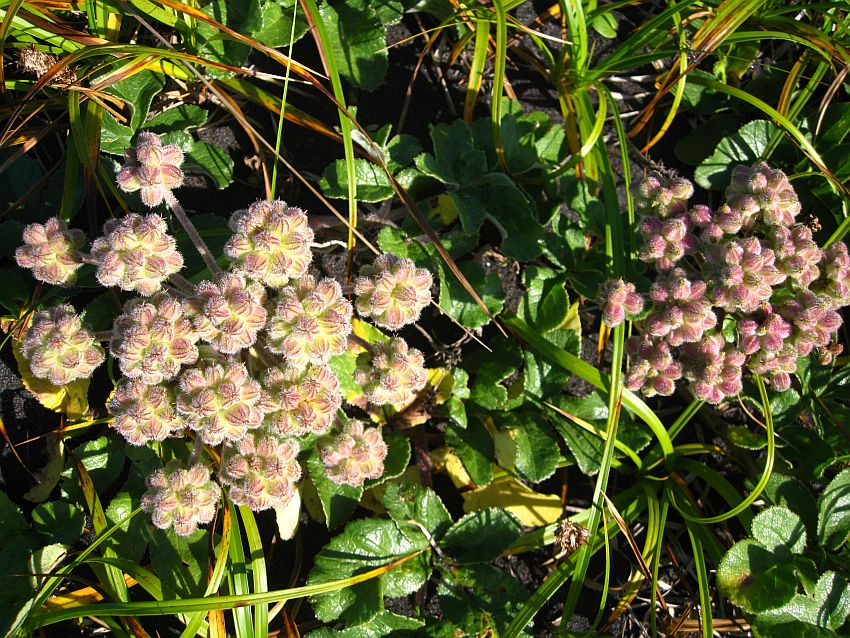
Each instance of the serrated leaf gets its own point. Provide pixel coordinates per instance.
(47, 476)
(130, 540)
(482, 536)
(13, 521)
(397, 460)
(364, 545)
(741, 436)
(793, 494)
(104, 460)
(827, 607)
(406, 502)
(513, 214)
(59, 521)
(474, 447)
(373, 184)
(213, 161)
(456, 302)
(180, 561)
(531, 508)
(385, 624)
(179, 118)
(745, 146)
(44, 561)
(358, 40)
(754, 578)
(70, 399)
(276, 23)
(455, 160)
(834, 512)
(138, 92)
(534, 445)
(780, 530)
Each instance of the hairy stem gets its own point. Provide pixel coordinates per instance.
(194, 235)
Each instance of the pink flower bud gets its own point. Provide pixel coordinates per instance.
(355, 454)
(182, 499)
(52, 252)
(391, 374)
(151, 168)
(392, 291)
(262, 470)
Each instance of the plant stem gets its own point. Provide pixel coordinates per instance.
(194, 235)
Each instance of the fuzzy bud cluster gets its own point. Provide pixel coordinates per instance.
(740, 288)
(228, 312)
(59, 347)
(270, 243)
(262, 470)
(392, 291)
(153, 339)
(52, 252)
(391, 374)
(302, 400)
(353, 455)
(151, 168)
(136, 254)
(143, 413)
(182, 499)
(311, 322)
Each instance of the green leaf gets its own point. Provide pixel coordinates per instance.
(456, 302)
(138, 92)
(213, 161)
(401, 150)
(455, 160)
(276, 20)
(741, 436)
(243, 16)
(834, 512)
(343, 366)
(545, 305)
(338, 501)
(513, 214)
(491, 369)
(534, 445)
(482, 536)
(780, 530)
(60, 521)
(605, 24)
(359, 42)
(103, 458)
(13, 521)
(372, 182)
(827, 608)
(754, 578)
(180, 118)
(745, 146)
(385, 624)
(11, 233)
(398, 457)
(809, 452)
(364, 545)
(180, 561)
(407, 502)
(474, 446)
(793, 494)
(130, 540)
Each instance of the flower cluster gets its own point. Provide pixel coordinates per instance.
(392, 373)
(152, 168)
(59, 348)
(182, 499)
(242, 360)
(52, 252)
(741, 288)
(355, 454)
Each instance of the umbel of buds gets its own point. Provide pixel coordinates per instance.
(136, 254)
(302, 401)
(392, 291)
(751, 272)
(151, 168)
(182, 499)
(52, 252)
(59, 348)
(392, 373)
(270, 243)
(144, 413)
(228, 312)
(262, 470)
(355, 454)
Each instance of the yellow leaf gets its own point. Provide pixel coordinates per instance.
(287, 516)
(70, 399)
(443, 383)
(572, 320)
(530, 507)
(367, 332)
(312, 502)
(445, 208)
(445, 460)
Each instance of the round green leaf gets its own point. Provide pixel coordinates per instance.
(779, 529)
(752, 577)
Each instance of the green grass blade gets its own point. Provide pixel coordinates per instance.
(702, 579)
(258, 569)
(237, 579)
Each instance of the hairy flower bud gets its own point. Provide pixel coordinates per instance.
(797, 255)
(302, 400)
(392, 291)
(391, 374)
(653, 369)
(262, 470)
(152, 168)
(136, 254)
(51, 251)
(768, 335)
(182, 499)
(220, 401)
(715, 368)
(271, 243)
(682, 311)
(834, 285)
(621, 302)
(656, 195)
(666, 242)
(353, 455)
(143, 413)
(59, 348)
(311, 322)
(153, 338)
(764, 190)
(747, 275)
(815, 323)
(228, 313)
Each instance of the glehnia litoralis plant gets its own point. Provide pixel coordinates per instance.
(238, 361)
(739, 289)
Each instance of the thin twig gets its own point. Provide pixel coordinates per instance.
(194, 235)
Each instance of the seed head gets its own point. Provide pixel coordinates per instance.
(311, 322)
(153, 338)
(768, 335)
(271, 243)
(834, 285)
(51, 251)
(715, 368)
(143, 413)
(354, 454)
(152, 168)
(302, 400)
(815, 323)
(392, 291)
(59, 348)
(262, 470)
(220, 401)
(391, 374)
(136, 254)
(228, 312)
(182, 499)
(666, 242)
